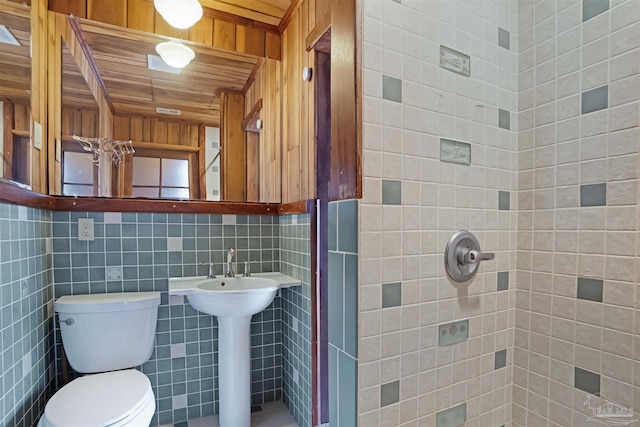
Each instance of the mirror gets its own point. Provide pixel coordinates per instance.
(15, 94)
(172, 116)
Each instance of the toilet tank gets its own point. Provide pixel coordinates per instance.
(107, 332)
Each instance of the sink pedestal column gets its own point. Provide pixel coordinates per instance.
(234, 371)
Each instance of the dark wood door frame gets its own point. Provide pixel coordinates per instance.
(320, 241)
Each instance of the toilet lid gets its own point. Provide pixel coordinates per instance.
(99, 400)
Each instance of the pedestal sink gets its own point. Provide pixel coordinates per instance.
(233, 300)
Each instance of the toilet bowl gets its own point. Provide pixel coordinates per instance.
(111, 399)
(104, 336)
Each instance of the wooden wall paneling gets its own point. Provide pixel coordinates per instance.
(346, 162)
(7, 118)
(304, 110)
(202, 31)
(74, 7)
(136, 129)
(194, 140)
(224, 34)
(39, 81)
(89, 125)
(272, 46)
(141, 15)
(275, 177)
(146, 130)
(121, 128)
(159, 131)
(56, 27)
(253, 167)
(173, 133)
(233, 147)
(202, 166)
(284, 182)
(21, 117)
(250, 40)
(323, 8)
(112, 12)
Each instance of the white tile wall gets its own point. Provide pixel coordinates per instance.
(560, 149)
(405, 243)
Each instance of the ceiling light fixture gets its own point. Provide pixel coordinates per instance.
(175, 54)
(180, 14)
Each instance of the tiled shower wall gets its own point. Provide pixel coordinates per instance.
(26, 325)
(577, 305)
(148, 249)
(413, 202)
(343, 313)
(295, 261)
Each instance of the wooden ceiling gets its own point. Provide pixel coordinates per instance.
(267, 11)
(15, 61)
(121, 58)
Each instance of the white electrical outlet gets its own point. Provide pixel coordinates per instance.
(85, 229)
(114, 273)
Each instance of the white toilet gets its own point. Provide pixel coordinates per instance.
(102, 333)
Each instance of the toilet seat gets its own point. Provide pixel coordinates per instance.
(110, 399)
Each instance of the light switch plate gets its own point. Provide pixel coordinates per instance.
(37, 135)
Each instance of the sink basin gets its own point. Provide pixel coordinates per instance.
(233, 296)
(233, 300)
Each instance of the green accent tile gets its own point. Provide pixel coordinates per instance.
(595, 99)
(590, 289)
(389, 393)
(586, 381)
(348, 380)
(504, 200)
(351, 304)
(591, 8)
(333, 226)
(452, 417)
(593, 195)
(500, 359)
(336, 298)
(503, 280)
(504, 119)
(453, 332)
(455, 151)
(391, 192)
(348, 226)
(391, 89)
(504, 38)
(391, 295)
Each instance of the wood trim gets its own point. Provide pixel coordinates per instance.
(323, 148)
(222, 90)
(24, 133)
(301, 206)
(11, 193)
(249, 122)
(252, 76)
(346, 162)
(238, 20)
(318, 33)
(7, 150)
(202, 165)
(359, 99)
(286, 18)
(88, 56)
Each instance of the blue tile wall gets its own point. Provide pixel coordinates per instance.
(26, 328)
(295, 261)
(139, 243)
(343, 312)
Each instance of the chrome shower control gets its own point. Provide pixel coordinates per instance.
(462, 256)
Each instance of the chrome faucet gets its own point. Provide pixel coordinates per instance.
(212, 274)
(247, 271)
(229, 269)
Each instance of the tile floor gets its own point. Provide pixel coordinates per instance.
(274, 414)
